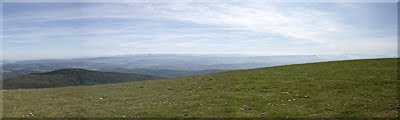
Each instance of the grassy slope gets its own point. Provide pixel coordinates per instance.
(361, 88)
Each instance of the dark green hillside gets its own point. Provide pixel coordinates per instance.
(342, 89)
(71, 77)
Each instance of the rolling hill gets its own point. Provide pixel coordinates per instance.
(162, 62)
(165, 72)
(71, 77)
(341, 89)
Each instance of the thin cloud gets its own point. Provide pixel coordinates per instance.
(304, 25)
(198, 27)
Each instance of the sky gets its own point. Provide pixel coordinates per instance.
(42, 30)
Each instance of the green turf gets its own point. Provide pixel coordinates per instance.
(343, 89)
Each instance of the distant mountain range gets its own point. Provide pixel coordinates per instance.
(162, 61)
(71, 77)
(166, 65)
(165, 72)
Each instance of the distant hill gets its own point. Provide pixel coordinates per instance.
(355, 89)
(71, 77)
(165, 72)
(166, 65)
(162, 62)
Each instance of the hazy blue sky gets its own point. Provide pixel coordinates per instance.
(64, 30)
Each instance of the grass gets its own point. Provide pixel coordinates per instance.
(342, 89)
